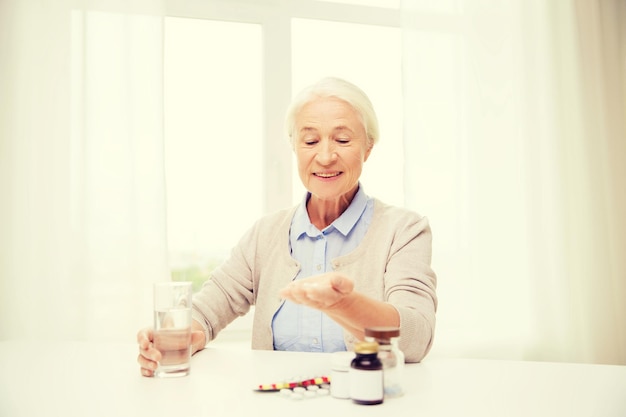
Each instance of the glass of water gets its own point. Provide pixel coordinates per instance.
(172, 327)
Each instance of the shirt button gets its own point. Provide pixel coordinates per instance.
(319, 267)
(315, 341)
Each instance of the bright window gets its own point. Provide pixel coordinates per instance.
(213, 139)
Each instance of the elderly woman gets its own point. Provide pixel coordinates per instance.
(340, 261)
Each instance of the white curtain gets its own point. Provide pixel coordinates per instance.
(515, 140)
(82, 209)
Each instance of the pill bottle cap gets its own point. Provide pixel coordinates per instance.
(382, 333)
(366, 347)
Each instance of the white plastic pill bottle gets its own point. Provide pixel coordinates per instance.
(339, 377)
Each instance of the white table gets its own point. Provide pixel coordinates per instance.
(90, 379)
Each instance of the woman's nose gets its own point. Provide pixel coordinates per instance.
(326, 154)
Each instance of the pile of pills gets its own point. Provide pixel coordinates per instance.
(300, 388)
(302, 393)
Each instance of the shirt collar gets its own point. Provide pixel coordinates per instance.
(344, 224)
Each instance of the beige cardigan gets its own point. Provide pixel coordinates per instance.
(392, 263)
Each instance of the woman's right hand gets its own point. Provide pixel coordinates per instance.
(148, 354)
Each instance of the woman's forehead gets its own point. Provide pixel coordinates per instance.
(328, 109)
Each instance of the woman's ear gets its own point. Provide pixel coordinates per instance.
(370, 145)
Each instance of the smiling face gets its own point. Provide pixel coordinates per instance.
(331, 146)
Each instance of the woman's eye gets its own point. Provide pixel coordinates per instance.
(343, 140)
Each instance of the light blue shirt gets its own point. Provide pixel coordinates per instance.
(300, 328)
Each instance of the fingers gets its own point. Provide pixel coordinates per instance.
(341, 284)
(320, 283)
(300, 292)
(198, 340)
(145, 337)
(148, 356)
(147, 367)
(321, 292)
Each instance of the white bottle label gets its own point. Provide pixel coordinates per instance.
(366, 385)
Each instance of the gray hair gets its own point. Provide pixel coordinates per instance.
(343, 90)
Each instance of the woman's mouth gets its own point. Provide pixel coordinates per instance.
(327, 174)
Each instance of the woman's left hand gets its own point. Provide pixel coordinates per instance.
(323, 292)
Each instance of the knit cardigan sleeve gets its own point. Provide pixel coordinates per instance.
(257, 268)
